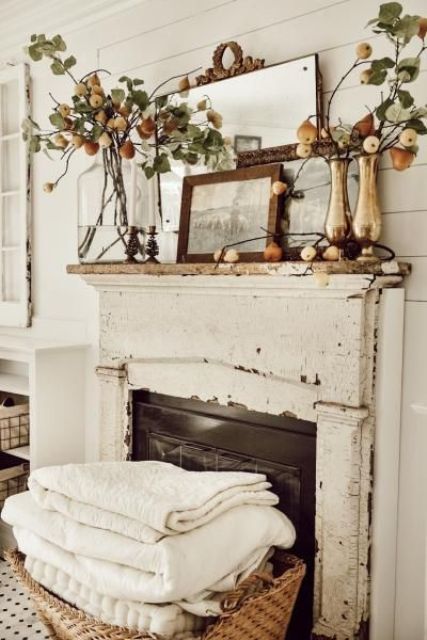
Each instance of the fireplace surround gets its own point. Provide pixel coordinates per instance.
(289, 340)
(201, 436)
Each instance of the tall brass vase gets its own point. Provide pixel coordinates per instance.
(338, 217)
(367, 216)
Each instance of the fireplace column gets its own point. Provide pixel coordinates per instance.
(343, 499)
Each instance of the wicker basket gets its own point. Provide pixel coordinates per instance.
(14, 422)
(14, 484)
(260, 609)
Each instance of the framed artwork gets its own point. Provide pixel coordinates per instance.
(223, 208)
(247, 143)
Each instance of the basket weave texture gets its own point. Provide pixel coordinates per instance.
(14, 423)
(259, 609)
(12, 486)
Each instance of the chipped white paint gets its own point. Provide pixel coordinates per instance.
(272, 344)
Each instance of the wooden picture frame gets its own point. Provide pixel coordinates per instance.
(243, 143)
(212, 228)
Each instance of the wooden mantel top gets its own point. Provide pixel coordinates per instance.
(243, 268)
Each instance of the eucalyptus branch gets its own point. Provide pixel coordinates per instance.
(162, 84)
(91, 73)
(67, 164)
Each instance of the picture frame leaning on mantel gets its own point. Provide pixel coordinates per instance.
(228, 207)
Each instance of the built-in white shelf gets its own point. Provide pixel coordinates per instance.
(20, 452)
(52, 376)
(13, 383)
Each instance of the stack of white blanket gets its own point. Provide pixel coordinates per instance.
(146, 544)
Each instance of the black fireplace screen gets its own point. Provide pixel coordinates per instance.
(203, 436)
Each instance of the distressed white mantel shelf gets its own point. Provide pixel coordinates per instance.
(320, 341)
(294, 268)
(240, 277)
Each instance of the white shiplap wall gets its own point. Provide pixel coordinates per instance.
(156, 39)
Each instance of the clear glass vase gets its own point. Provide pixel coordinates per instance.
(112, 200)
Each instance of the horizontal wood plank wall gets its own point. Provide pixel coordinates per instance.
(161, 38)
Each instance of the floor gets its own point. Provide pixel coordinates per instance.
(18, 620)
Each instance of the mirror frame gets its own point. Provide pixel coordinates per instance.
(246, 64)
(243, 65)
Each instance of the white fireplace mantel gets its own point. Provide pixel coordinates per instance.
(312, 341)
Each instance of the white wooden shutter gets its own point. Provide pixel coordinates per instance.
(15, 247)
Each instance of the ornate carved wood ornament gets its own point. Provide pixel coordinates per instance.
(239, 66)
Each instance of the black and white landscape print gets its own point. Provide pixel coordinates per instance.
(228, 212)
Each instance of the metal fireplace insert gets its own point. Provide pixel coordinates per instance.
(205, 436)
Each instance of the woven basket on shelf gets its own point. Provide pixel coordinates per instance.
(259, 609)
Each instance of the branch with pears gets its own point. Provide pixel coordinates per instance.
(396, 122)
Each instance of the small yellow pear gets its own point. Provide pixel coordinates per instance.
(231, 256)
(363, 50)
(408, 137)
(331, 253)
(306, 132)
(273, 252)
(308, 253)
(401, 158)
(278, 187)
(371, 144)
(303, 150)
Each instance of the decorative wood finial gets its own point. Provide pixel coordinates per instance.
(239, 66)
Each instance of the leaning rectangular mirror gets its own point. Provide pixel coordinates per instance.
(261, 107)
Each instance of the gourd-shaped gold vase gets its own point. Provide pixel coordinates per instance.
(367, 216)
(338, 217)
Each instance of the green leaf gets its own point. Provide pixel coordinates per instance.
(57, 120)
(34, 145)
(137, 81)
(197, 147)
(408, 69)
(96, 132)
(118, 95)
(178, 153)
(59, 43)
(405, 98)
(396, 113)
(377, 77)
(214, 139)
(419, 112)
(382, 63)
(141, 99)
(418, 125)
(83, 107)
(57, 68)
(389, 12)
(34, 53)
(382, 108)
(124, 79)
(406, 28)
(192, 158)
(33, 37)
(162, 101)
(161, 163)
(149, 172)
(70, 62)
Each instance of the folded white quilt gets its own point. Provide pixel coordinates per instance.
(189, 566)
(166, 620)
(145, 500)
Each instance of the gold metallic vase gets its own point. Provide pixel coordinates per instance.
(338, 217)
(367, 216)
